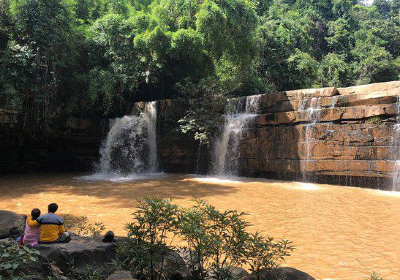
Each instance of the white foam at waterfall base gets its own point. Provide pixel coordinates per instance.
(226, 151)
(130, 149)
(121, 177)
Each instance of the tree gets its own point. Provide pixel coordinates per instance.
(334, 71)
(38, 56)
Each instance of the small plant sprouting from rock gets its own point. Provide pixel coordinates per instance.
(214, 241)
(81, 226)
(15, 260)
(374, 120)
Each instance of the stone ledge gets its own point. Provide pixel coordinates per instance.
(328, 115)
(366, 168)
(369, 88)
(374, 98)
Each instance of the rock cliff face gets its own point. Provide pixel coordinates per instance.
(336, 135)
(73, 150)
(325, 134)
(339, 135)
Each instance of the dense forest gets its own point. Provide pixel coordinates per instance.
(62, 60)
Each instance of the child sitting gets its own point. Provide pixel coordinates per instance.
(32, 232)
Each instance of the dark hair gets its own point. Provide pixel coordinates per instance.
(35, 213)
(52, 207)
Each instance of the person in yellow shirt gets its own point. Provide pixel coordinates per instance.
(52, 228)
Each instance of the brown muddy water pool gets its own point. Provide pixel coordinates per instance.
(339, 232)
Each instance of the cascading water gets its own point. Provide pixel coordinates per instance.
(313, 113)
(396, 148)
(131, 146)
(226, 152)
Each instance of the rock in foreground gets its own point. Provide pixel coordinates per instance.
(121, 275)
(81, 252)
(10, 220)
(279, 273)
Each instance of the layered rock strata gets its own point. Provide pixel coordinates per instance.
(339, 135)
(349, 135)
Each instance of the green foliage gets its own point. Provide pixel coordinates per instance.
(87, 274)
(303, 68)
(148, 244)
(265, 253)
(65, 60)
(214, 241)
(333, 70)
(14, 260)
(81, 226)
(205, 106)
(374, 276)
(374, 120)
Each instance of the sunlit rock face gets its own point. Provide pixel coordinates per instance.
(346, 135)
(343, 136)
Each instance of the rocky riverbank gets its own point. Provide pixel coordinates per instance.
(91, 258)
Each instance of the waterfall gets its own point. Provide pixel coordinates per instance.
(395, 145)
(130, 146)
(226, 153)
(313, 114)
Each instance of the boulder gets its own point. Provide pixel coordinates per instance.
(121, 275)
(239, 272)
(174, 264)
(81, 252)
(10, 220)
(109, 237)
(279, 273)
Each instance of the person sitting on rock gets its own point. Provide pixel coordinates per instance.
(52, 228)
(32, 233)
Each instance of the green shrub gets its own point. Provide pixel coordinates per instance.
(15, 259)
(149, 238)
(87, 274)
(264, 252)
(215, 241)
(375, 277)
(81, 226)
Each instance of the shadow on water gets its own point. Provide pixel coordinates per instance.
(117, 193)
